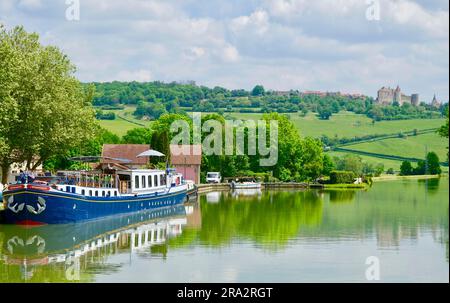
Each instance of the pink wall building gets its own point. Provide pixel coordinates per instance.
(188, 162)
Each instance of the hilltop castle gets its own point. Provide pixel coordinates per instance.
(435, 102)
(387, 96)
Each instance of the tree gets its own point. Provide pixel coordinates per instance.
(443, 130)
(350, 163)
(328, 165)
(324, 112)
(379, 168)
(434, 167)
(258, 90)
(311, 160)
(406, 168)
(92, 147)
(137, 136)
(421, 168)
(289, 147)
(44, 110)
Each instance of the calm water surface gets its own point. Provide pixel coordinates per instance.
(269, 236)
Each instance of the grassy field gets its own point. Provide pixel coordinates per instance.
(121, 126)
(414, 146)
(348, 124)
(372, 160)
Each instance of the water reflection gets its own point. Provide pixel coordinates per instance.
(73, 248)
(300, 233)
(241, 193)
(343, 196)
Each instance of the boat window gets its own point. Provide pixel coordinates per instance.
(115, 193)
(68, 189)
(136, 182)
(83, 192)
(73, 190)
(163, 180)
(96, 193)
(90, 193)
(103, 193)
(155, 180)
(149, 179)
(143, 182)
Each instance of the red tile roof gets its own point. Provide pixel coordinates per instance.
(125, 151)
(187, 155)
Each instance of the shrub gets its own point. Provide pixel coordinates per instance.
(342, 177)
(406, 168)
(390, 171)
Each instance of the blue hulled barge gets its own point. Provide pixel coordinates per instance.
(88, 195)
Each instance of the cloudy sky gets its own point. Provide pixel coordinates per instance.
(282, 44)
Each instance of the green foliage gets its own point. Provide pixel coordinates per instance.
(137, 136)
(379, 169)
(151, 111)
(324, 112)
(434, 167)
(443, 131)
(100, 115)
(342, 177)
(429, 166)
(44, 111)
(406, 168)
(351, 163)
(258, 90)
(92, 147)
(328, 165)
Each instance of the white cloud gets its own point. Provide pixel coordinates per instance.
(193, 53)
(139, 75)
(30, 4)
(230, 54)
(282, 44)
(258, 22)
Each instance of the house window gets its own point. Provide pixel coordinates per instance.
(143, 182)
(155, 180)
(136, 182)
(149, 178)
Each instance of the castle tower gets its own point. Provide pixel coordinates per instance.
(415, 99)
(398, 95)
(435, 102)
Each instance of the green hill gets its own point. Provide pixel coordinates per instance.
(343, 124)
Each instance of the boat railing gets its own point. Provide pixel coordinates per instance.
(92, 180)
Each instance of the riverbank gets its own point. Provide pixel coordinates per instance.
(346, 186)
(205, 188)
(397, 177)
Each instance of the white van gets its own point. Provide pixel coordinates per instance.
(213, 177)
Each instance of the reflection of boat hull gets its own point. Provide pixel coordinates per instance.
(48, 239)
(34, 206)
(192, 194)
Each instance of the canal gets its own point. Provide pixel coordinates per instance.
(268, 236)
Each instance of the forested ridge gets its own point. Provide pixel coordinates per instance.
(152, 99)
